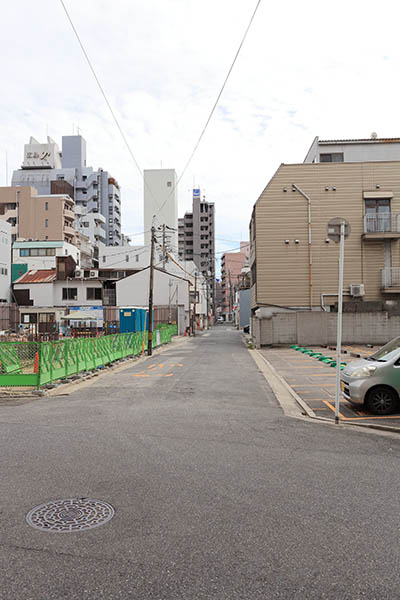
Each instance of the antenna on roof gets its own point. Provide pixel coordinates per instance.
(374, 135)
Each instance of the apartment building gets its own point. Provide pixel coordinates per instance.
(354, 150)
(5, 261)
(52, 171)
(293, 262)
(161, 206)
(196, 233)
(37, 217)
(232, 264)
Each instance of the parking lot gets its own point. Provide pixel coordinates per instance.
(314, 382)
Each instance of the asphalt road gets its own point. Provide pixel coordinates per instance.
(217, 494)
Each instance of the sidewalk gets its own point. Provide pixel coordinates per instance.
(314, 382)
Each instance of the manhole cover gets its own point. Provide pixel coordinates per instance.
(71, 514)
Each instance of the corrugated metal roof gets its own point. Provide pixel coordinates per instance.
(361, 140)
(38, 276)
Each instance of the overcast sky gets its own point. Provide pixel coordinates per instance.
(306, 69)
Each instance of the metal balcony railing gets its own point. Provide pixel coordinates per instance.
(390, 277)
(385, 223)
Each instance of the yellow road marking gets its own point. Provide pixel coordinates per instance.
(168, 375)
(333, 408)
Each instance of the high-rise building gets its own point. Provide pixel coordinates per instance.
(161, 205)
(94, 191)
(197, 239)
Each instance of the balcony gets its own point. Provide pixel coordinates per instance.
(69, 231)
(382, 227)
(391, 280)
(99, 233)
(69, 214)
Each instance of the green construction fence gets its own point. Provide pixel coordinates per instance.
(33, 364)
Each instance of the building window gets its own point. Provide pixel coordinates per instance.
(60, 177)
(377, 215)
(46, 206)
(70, 293)
(332, 157)
(93, 293)
(85, 223)
(104, 259)
(137, 257)
(127, 258)
(84, 177)
(169, 183)
(24, 252)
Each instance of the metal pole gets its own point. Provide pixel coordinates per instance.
(150, 323)
(163, 243)
(339, 322)
(194, 305)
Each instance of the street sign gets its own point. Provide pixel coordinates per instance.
(333, 229)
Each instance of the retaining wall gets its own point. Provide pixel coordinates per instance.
(319, 328)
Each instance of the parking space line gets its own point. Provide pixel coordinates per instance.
(333, 408)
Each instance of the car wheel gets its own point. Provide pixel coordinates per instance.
(381, 401)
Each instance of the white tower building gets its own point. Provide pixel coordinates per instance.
(161, 199)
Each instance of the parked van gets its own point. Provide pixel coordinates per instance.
(375, 381)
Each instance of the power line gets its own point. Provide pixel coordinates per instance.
(214, 106)
(105, 98)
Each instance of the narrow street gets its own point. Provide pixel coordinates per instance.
(217, 494)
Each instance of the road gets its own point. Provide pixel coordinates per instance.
(217, 494)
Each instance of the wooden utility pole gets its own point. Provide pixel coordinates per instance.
(150, 323)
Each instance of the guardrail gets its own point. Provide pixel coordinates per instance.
(33, 364)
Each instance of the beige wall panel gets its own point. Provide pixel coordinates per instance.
(282, 270)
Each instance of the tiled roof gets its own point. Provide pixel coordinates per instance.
(361, 140)
(38, 276)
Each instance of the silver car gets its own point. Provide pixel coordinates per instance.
(375, 381)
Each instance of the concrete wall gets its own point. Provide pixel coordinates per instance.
(319, 329)
(5, 261)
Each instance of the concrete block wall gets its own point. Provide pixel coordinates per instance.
(319, 328)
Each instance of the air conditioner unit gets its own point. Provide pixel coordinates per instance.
(78, 273)
(93, 274)
(357, 290)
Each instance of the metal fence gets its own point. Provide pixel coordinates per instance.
(33, 364)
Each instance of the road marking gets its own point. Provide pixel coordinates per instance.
(333, 408)
(168, 375)
(141, 374)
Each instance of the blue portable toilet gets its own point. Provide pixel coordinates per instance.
(133, 319)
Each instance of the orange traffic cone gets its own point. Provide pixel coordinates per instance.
(36, 367)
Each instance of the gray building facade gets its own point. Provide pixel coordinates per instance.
(196, 239)
(94, 191)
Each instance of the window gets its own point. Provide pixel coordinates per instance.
(104, 259)
(137, 257)
(169, 183)
(85, 223)
(46, 206)
(46, 222)
(70, 293)
(3, 271)
(60, 177)
(331, 157)
(377, 215)
(127, 258)
(24, 252)
(84, 177)
(93, 293)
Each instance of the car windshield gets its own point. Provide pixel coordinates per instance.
(387, 352)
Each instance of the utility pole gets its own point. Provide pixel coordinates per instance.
(163, 243)
(194, 304)
(170, 284)
(230, 294)
(150, 323)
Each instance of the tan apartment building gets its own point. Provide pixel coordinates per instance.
(34, 217)
(293, 262)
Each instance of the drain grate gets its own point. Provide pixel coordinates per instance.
(70, 514)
